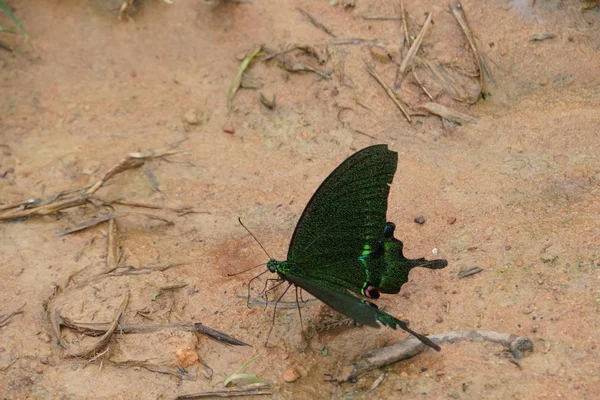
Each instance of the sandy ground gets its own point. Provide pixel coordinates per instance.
(515, 193)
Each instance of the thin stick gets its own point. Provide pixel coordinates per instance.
(5, 319)
(423, 88)
(379, 18)
(459, 14)
(179, 210)
(112, 257)
(99, 328)
(254, 389)
(341, 42)
(448, 113)
(404, 45)
(344, 124)
(18, 204)
(133, 160)
(47, 209)
(407, 61)
(106, 337)
(122, 270)
(404, 26)
(388, 91)
(88, 224)
(316, 23)
(409, 348)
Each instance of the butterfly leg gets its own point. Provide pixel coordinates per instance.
(265, 291)
(298, 305)
(249, 286)
(274, 311)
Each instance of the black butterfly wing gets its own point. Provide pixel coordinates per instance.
(362, 312)
(345, 219)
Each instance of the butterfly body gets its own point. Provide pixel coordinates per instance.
(343, 244)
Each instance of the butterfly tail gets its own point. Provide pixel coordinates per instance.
(392, 322)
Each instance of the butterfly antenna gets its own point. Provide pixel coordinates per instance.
(254, 237)
(274, 313)
(247, 269)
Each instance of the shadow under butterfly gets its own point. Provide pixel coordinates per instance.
(342, 242)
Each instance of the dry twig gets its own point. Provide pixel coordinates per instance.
(316, 23)
(89, 223)
(254, 389)
(388, 91)
(448, 113)
(112, 257)
(459, 14)
(407, 61)
(5, 319)
(379, 18)
(409, 348)
(84, 195)
(96, 329)
(106, 337)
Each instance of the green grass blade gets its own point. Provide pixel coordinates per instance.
(14, 19)
(237, 374)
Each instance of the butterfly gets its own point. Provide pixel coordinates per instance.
(343, 251)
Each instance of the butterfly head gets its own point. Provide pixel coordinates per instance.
(272, 265)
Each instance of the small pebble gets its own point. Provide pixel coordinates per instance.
(291, 375)
(191, 117)
(228, 128)
(420, 220)
(186, 357)
(44, 360)
(519, 263)
(451, 220)
(44, 337)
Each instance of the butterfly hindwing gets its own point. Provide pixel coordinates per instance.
(359, 310)
(393, 267)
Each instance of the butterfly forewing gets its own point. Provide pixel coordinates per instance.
(345, 219)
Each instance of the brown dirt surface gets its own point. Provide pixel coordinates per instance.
(516, 193)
